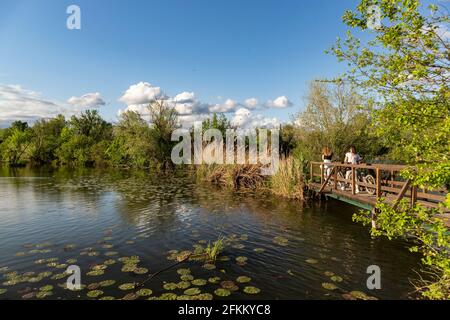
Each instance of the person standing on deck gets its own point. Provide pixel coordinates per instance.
(351, 157)
(327, 156)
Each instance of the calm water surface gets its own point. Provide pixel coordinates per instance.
(49, 217)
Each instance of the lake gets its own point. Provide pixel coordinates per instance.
(122, 226)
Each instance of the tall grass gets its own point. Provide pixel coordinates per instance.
(288, 182)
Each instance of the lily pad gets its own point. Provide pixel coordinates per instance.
(109, 262)
(183, 284)
(329, 273)
(170, 286)
(222, 292)
(259, 250)
(204, 296)
(95, 273)
(140, 270)
(111, 253)
(129, 268)
(329, 286)
(241, 259)
(214, 279)
(336, 279)
(199, 282)
(192, 291)
(107, 283)
(94, 293)
(187, 277)
(252, 290)
(312, 261)
(107, 298)
(43, 294)
(2, 291)
(183, 271)
(229, 285)
(243, 279)
(93, 286)
(209, 266)
(281, 241)
(130, 296)
(126, 286)
(168, 296)
(46, 288)
(144, 292)
(71, 261)
(359, 295)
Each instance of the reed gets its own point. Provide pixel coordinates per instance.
(288, 182)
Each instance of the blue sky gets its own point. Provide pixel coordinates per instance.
(218, 49)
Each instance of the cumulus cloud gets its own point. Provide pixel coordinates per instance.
(89, 100)
(251, 103)
(280, 102)
(141, 93)
(18, 103)
(191, 109)
(228, 106)
(245, 119)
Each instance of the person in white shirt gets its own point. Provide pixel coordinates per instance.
(351, 157)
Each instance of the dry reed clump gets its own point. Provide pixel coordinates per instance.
(246, 176)
(288, 181)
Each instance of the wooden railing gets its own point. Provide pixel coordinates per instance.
(378, 181)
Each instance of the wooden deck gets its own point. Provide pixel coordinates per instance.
(367, 183)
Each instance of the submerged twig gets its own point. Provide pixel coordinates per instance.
(182, 260)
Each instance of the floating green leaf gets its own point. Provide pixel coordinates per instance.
(222, 292)
(252, 290)
(243, 279)
(199, 282)
(329, 286)
(126, 286)
(46, 288)
(170, 286)
(140, 270)
(94, 293)
(192, 291)
(107, 283)
(144, 292)
(214, 279)
(183, 284)
(312, 261)
(183, 271)
(187, 277)
(336, 279)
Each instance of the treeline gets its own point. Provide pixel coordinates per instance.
(334, 116)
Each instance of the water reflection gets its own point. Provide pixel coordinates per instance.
(289, 246)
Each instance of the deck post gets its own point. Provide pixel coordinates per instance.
(353, 180)
(374, 218)
(335, 177)
(378, 179)
(413, 195)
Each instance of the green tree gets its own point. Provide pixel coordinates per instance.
(16, 144)
(46, 139)
(337, 116)
(405, 69)
(163, 120)
(131, 145)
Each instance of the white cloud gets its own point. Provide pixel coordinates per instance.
(251, 103)
(228, 106)
(89, 100)
(280, 102)
(17, 103)
(141, 93)
(245, 119)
